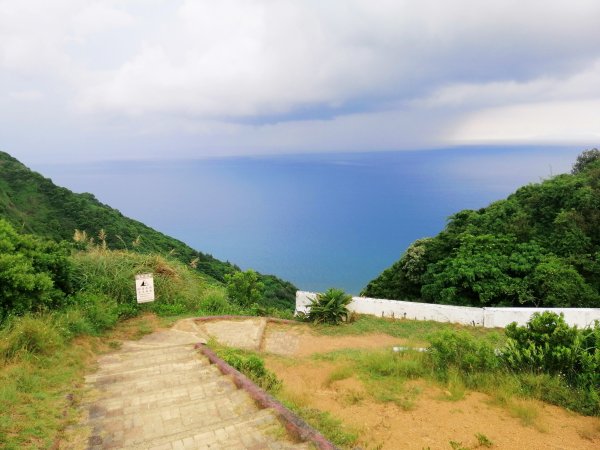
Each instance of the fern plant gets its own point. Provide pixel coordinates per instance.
(330, 307)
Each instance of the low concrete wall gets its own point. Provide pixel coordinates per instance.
(486, 317)
(500, 317)
(417, 311)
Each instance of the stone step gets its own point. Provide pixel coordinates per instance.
(141, 426)
(252, 430)
(256, 431)
(122, 373)
(159, 398)
(171, 380)
(135, 363)
(138, 347)
(167, 338)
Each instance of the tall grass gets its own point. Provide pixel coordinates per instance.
(111, 273)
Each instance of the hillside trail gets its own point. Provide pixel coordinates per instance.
(160, 393)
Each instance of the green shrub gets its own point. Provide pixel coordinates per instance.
(461, 350)
(34, 274)
(330, 307)
(547, 344)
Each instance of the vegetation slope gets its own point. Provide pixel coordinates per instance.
(34, 204)
(538, 247)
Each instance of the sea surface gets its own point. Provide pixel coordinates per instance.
(319, 221)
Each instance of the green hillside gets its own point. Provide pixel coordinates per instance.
(34, 204)
(538, 247)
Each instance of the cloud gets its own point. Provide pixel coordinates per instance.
(306, 76)
(236, 58)
(26, 96)
(548, 122)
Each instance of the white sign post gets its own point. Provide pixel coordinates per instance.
(144, 287)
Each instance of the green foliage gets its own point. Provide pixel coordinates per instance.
(244, 288)
(35, 205)
(585, 159)
(460, 350)
(330, 307)
(34, 274)
(252, 366)
(548, 344)
(557, 284)
(539, 247)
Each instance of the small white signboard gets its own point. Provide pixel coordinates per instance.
(144, 287)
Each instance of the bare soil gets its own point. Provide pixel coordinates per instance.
(298, 340)
(432, 421)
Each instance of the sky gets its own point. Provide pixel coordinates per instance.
(104, 80)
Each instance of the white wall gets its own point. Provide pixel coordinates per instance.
(487, 317)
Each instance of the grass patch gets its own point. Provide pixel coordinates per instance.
(416, 331)
(331, 427)
(250, 364)
(384, 374)
(455, 387)
(339, 373)
(483, 440)
(351, 397)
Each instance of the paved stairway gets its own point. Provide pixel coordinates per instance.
(159, 393)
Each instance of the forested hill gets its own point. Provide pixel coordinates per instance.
(538, 247)
(34, 204)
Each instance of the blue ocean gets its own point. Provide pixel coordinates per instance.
(319, 221)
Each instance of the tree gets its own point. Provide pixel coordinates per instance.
(244, 288)
(585, 159)
(557, 284)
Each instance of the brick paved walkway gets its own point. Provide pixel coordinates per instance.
(159, 393)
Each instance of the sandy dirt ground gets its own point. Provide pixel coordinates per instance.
(433, 421)
(298, 340)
